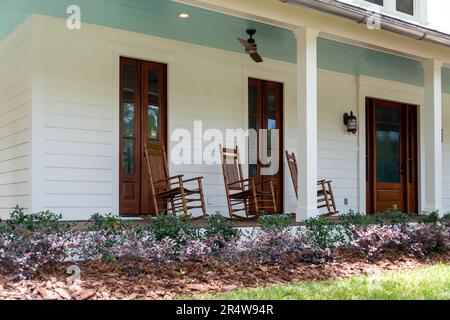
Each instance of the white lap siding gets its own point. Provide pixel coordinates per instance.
(15, 120)
(446, 153)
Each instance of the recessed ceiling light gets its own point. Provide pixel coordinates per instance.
(184, 15)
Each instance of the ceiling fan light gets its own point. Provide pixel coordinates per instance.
(184, 15)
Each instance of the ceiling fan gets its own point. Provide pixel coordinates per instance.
(250, 46)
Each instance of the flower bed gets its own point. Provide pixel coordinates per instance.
(32, 244)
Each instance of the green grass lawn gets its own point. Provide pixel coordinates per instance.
(432, 284)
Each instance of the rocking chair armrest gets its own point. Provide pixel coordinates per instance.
(240, 181)
(193, 179)
(169, 179)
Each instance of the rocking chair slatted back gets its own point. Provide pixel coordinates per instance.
(157, 166)
(292, 163)
(232, 168)
(246, 198)
(325, 197)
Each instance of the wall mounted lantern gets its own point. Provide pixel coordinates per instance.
(351, 122)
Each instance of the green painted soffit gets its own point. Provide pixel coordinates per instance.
(160, 18)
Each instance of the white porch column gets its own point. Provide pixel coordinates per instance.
(307, 122)
(433, 139)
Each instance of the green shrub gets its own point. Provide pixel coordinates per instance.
(279, 222)
(222, 229)
(45, 221)
(179, 229)
(430, 217)
(355, 219)
(351, 220)
(110, 223)
(323, 233)
(3, 229)
(446, 218)
(390, 217)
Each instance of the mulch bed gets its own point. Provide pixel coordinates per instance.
(105, 281)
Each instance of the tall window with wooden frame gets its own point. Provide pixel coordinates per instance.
(265, 112)
(143, 115)
(391, 156)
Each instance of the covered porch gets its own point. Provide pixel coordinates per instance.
(326, 67)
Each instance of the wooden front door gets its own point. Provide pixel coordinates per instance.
(143, 114)
(391, 156)
(266, 112)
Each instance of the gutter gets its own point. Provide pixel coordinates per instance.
(361, 16)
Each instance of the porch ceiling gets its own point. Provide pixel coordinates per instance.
(160, 18)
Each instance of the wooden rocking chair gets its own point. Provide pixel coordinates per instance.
(325, 197)
(167, 190)
(244, 200)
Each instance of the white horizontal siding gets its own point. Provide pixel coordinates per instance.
(446, 153)
(15, 120)
(78, 127)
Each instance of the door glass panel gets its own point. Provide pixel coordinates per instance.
(367, 144)
(153, 88)
(253, 102)
(411, 130)
(128, 119)
(129, 83)
(253, 124)
(128, 155)
(388, 145)
(271, 121)
(272, 106)
(153, 122)
(153, 105)
(129, 109)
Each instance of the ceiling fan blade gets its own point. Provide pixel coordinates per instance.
(256, 57)
(246, 44)
(250, 48)
(243, 42)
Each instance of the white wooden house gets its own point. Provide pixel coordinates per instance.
(72, 102)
